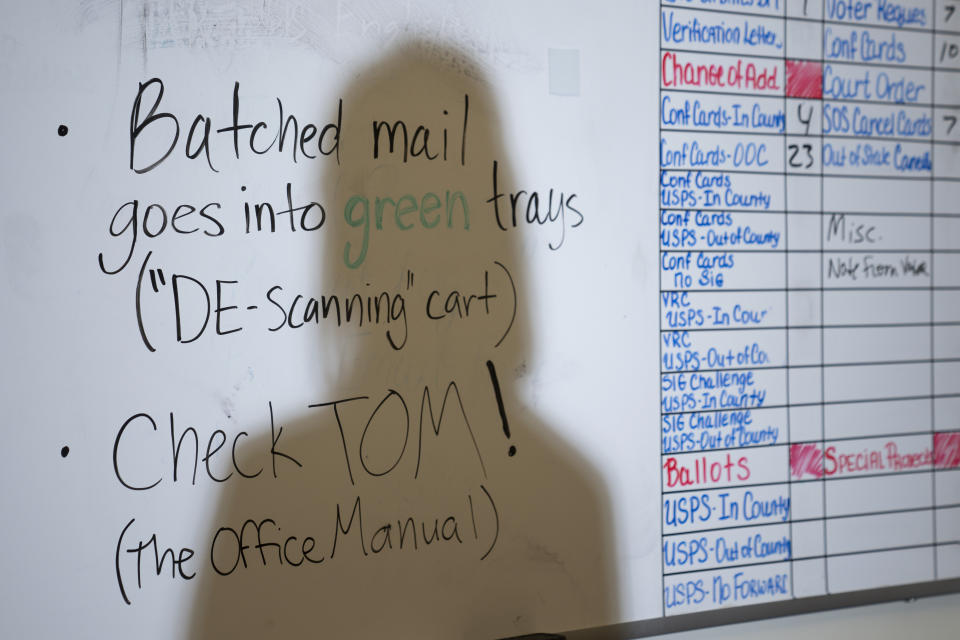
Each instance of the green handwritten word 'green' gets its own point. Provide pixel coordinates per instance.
(403, 210)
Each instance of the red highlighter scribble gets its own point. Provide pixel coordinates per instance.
(946, 450)
(806, 459)
(804, 79)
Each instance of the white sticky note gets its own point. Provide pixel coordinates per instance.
(564, 66)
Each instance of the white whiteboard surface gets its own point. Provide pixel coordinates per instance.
(936, 616)
(537, 506)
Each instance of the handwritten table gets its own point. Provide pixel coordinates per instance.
(809, 298)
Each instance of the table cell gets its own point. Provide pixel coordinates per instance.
(708, 391)
(946, 413)
(804, 308)
(803, 230)
(851, 496)
(946, 124)
(804, 116)
(723, 508)
(721, 73)
(875, 45)
(806, 501)
(804, 39)
(879, 569)
(732, 10)
(803, 155)
(946, 51)
(948, 561)
(721, 151)
(869, 232)
(876, 381)
(842, 81)
(888, 269)
(805, 384)
(946, 268)
(947, 89)
(803, 270)
(875, 344)
(705, 270)
(721, 309)
(948, 549)
(713, 112)
(948, 525)
(947, 488)
(716, 469)
(946, 196)
(946, 305)
(726, 588)
(718, 32)
(877, 157)
(728, 548)
(877, 532)
(946, 450)
(945, 158)
(806, 422)
(735, 231)
(707, 430)
(808, 539)
(946, 378)
(915, 14)
(809, 578)
(946, 18)
(946, 233)
(877, 120)
(875, 307)
(862, 195)
(803, 194)
(723, 349)
(721, 191)
(804, 346)
(946, 341)
(861, 419)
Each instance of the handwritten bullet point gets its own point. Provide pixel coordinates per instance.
(64, 452)
(62, 130)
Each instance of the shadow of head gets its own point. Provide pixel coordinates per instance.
(415, 492)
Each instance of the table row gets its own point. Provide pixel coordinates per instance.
(738, 586)
(735, 114)
(727, 191)
(783, 386)
(904, 14)
(775, 153)
(862, 42)
(745, 349)
(825, 423)
(703, 551)
(773, 270)
(807, 231)
(702, 510)
(799, 461)
(808, 308)
(809, 78)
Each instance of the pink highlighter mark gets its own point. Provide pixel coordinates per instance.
(804, 79)
(946, 450)
(805, 459)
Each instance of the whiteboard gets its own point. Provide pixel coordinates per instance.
(362, 319)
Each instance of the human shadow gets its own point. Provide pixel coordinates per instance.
(414, 494)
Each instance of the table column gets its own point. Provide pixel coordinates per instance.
(877, 298)
(946, 286)
(725, 483)
(803, 108)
